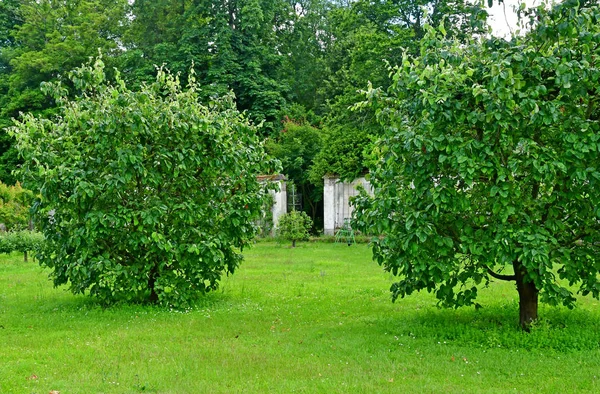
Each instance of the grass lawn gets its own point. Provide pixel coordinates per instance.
(314, 319)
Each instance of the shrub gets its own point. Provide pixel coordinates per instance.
(294, 226)
(146, 196)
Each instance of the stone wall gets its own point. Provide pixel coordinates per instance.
(280, 202)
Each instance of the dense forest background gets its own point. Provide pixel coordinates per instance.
(296, 67)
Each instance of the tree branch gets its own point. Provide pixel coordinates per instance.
(590, 109)
(499, 276)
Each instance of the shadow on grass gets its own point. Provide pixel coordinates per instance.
(65, 302)
(559, 329)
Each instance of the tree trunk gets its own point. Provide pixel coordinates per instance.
(30, 227)
(528, 297)
(293, 243)
(151, 285)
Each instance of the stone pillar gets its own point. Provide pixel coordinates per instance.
(279, 206)
(329, 198)
(279, 203)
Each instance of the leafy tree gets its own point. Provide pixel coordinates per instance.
(10, 19)
(254, 39)
(145, 195)
(44, 40)
(23, 241)
(489, 166)
(169, 32)
(234, 44)
(306, 42)
(296, 146)
(343, 154)
(294, 226)
(366, 34)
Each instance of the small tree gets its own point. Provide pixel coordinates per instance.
(294, 226)
(23, 241)
(490, 166)
(147, 195)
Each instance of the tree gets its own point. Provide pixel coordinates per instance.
(366, 34)
(234, 44)
(296, 147)
(343, 154)
(169, 32)
(146, 196)
(489, 166)
(306, 42)
(10, 18)
(22, 241)
(294, 226)
(42, 41)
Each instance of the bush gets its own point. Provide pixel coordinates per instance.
(294, 226)
(146, 196)
(296, 147)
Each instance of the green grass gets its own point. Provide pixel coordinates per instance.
(315, 319)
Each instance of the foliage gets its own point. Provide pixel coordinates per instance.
(490, 163)
(52, 39)
(15, 203)
(344, 154)
(366, 35)
(234, 44)
(296, 146)
(9, 20)
(273, 54)
(298, 114)
(45, 39)
(294, 226)
(303, 60)
(265, 222)
(145, 195)
(23, 241)
(164, 32)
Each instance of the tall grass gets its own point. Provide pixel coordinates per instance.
(314, 319)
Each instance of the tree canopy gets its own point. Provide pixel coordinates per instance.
(42, 41)
(489, 165)
(366, 35)
(296, 147)
(274, 55)
(145, 195)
